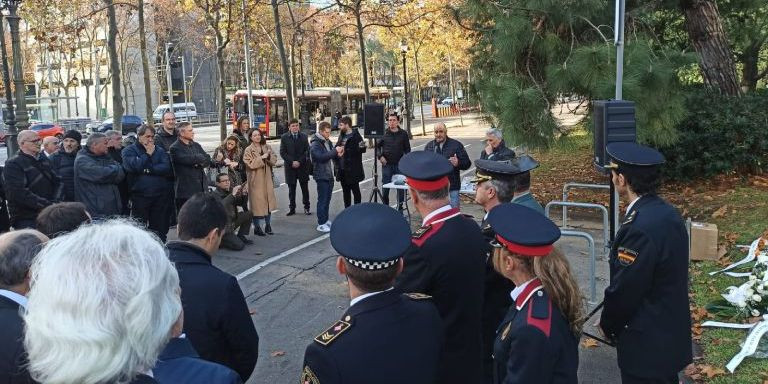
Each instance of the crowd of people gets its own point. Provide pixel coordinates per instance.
(452, 302)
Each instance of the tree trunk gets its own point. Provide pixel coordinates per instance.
(706, 33)
(289, 89)
(114, 65)
(145, 65)
(222, 91)
(361, 42)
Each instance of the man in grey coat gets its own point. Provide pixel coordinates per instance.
(97, 177)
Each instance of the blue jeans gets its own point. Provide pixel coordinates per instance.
(386, 177)
(324, 190)
(455, 201)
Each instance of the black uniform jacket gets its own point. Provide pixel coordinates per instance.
(12, 355)
(496, 301)
(351, 169)
(295, 150)
(384, 339)
(216, 317)
(447, 262)
(646, 304)
(534, 343)
(189, 162)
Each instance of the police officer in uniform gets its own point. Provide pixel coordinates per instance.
(537, 341)
(646, 309)
(524, 165)
(446, 262)
(385, 336)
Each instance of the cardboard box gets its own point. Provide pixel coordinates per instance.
(703, 244)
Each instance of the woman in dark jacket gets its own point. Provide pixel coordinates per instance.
(242, 126)
(350, 172)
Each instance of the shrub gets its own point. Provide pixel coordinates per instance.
(720, 134)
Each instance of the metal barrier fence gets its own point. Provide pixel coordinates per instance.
(569, 186)
(588, 237)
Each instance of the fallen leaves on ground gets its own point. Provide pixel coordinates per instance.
(589, 342)
(720, 212)
(277, 353)
(701, 373)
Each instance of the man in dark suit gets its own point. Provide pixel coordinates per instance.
(646, 308)
(189, 161)
(217, 320)
(294, 150)
(17, 251)
(446, 262)
(385, 336)
(496, 149)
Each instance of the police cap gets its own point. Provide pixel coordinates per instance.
(503, 170)
(522, 230)
(370, 236)
(627, 155)
(425, 170)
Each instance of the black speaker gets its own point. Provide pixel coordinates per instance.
(614, 122)
(373, 126)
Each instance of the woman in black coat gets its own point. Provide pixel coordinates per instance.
(350, 172)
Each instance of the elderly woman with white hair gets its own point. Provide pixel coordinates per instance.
(100, 311)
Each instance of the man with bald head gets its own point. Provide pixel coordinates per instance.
(17, 251)
(29, 181)
(454, 151)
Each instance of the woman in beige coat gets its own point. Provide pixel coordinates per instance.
(259, 162)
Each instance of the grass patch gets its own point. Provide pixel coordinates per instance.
(745, 200)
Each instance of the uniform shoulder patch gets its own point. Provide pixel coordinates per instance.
(332, 332)
(417, 296)
(308, 377)
(630, 218)
(626, 256)
(539, 313)
(421, 231)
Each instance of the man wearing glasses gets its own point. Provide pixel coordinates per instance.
(30, 183)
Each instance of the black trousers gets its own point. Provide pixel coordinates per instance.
(291, 177)
(629, 379)
(152, 212)
(348, 190)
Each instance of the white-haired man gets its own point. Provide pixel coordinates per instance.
(114, 303)
(496, 149)
(97, 177)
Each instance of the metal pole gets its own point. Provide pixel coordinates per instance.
(22, 118)
(303, 106)
(184, 78)
(8, 115)
(168, 75)
(619, 42)
(247, 65)
(405, 97)
(97, 85)
(50, 84)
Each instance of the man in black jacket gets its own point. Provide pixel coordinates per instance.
(189, 161)
(294, 150)
(496, 149)
(30, 183)
(115, 151)
(63, 163)
(216, 318)
(17, 251)
(167, 135)
(391, 148)
(351, 171)
(454, 151)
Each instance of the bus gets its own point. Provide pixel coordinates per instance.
(270, 107)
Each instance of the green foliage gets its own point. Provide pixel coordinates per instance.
(720, 134)
(534, 52)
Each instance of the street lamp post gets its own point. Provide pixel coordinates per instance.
(8, 115)
(370, 71)
(392, 81)
(97, 84)
(247, 65)
(404, 50)
(302, 104)
(169, 79)
(184, 80)
(21, 116)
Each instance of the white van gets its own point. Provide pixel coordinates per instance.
(183, 112)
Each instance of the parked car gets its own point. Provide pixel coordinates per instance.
(183, 112)
(130, 124)
(78, 123)
(447, 101)
(47, 129)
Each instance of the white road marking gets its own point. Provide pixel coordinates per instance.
(282, 255)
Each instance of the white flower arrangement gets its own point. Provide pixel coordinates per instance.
(751, 298)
